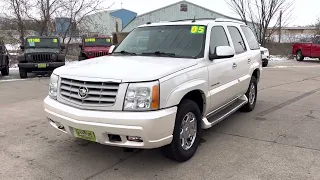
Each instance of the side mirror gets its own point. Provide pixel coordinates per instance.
(63, 47)
(222, 52)
(111, 49)
(22, 47)
(80, 46)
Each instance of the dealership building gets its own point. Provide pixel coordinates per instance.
(124, 20)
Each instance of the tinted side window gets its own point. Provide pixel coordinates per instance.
(317, 40)
(251, 38)
(218, 38)
(237, 40)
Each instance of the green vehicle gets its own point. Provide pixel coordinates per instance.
(40, 53)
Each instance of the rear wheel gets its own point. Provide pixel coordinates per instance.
(5, 70)
(186, 134)
(251, 95)
(299, 56)
(23, 73)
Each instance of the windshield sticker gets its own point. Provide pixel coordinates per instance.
(108, 40)
(90, 40)
(34, 40)
(197, 30)
(31, 44)
(55, 40)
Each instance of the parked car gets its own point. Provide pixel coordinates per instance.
(161, 93)
(40, 53)
(265, 56)
(92, 47)
(4, 60)
(309, 49)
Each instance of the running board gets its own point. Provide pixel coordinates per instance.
(224, 113)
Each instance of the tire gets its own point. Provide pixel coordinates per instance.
(5, 70)
(265, 64)
(252, 100)
(299, 56)
(175, 151)
(23, 73)
(81, 58)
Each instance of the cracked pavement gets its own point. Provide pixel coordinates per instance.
(278, 140)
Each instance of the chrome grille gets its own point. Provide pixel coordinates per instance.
(99, 93)
(98, 54)
(39, 58)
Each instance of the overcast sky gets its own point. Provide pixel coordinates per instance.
(305, 11)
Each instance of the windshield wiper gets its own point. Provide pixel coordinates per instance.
(159, 53)
(126, 52)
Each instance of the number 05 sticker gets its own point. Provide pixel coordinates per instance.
(197, 29)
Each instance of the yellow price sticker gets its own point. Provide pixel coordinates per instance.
(197, 29)
(108, 40)
(90, 40)
(55, 40)
(33, 40)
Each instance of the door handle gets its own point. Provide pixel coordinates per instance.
(249, 60)
(234, 65)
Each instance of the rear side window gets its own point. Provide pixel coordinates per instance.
(218, 38)
(251, 38)
(237, 40)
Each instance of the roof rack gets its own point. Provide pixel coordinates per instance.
(193, 20)
(228, 20)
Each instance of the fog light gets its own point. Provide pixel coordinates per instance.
(134, 138)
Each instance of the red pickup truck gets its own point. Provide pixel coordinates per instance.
(311, 49)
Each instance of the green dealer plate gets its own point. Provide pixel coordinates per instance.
(42, 65)
(85, 134)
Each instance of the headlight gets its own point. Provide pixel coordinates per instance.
(54, 57)
(29, 57)
(142, 96)
(53, 86)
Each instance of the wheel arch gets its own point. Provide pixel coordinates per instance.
(193, 90)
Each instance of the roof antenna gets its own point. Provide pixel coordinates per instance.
(194, 19)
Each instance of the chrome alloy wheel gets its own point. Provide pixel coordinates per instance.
(188, 131)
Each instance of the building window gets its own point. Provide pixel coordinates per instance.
(184, 7)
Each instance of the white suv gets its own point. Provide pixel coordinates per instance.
(160, 87)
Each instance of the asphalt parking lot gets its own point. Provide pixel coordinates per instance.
(280, 139)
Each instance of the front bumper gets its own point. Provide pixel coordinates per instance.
(34, 66)
(154, 127)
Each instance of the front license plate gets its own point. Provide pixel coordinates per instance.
(84, 134)
(42, 65)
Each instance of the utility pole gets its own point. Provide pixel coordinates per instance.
(280, 26)
(47, 17)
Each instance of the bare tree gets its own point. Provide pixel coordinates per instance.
(76, 11)
(18, 10)
(260, 13)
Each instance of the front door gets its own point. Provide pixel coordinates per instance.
(315, 47)
(222, 75)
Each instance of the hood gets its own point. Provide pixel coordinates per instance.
(40, 50)
(95, 49)
(263, 48)
(126, 68)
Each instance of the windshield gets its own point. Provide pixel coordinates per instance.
(97, 42)
(42, 43)
(185, 41)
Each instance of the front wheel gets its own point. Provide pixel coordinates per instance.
(23, 73)
(265, 63)
(186, 134)
(251, 95)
